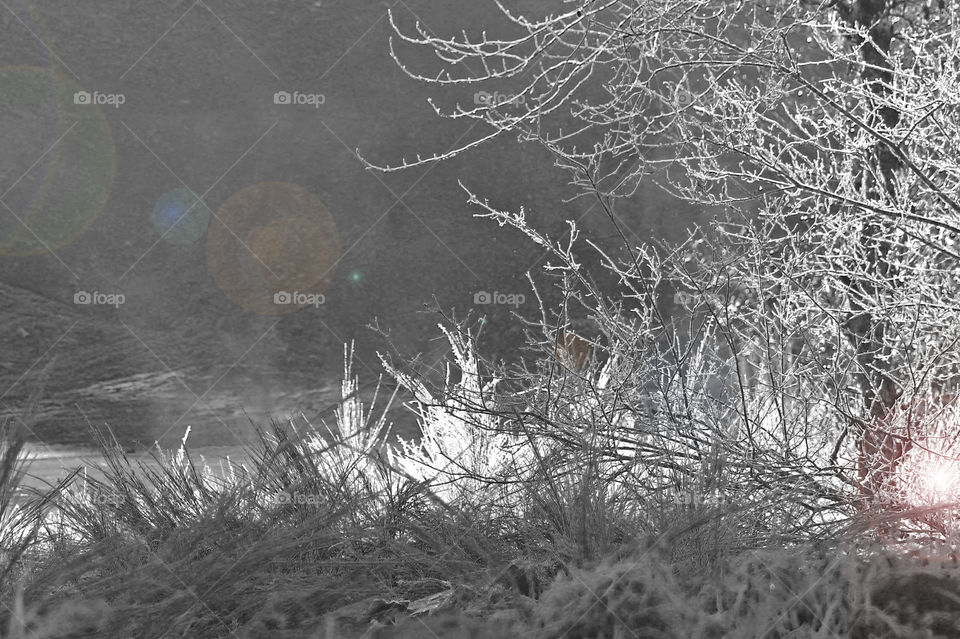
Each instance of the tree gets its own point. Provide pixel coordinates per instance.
(825, 133)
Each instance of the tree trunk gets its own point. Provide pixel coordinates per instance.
(880, 450)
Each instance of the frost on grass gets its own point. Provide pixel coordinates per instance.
(463, 449)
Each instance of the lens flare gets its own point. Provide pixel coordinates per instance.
(943, 482)
(58, 164)
(920, 494)
(930, 477)
(181, 217)
(273, 248)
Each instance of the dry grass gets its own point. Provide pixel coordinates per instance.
(327, 532)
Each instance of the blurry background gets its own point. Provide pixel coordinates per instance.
(116, 116)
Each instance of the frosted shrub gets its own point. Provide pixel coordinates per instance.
(463, 446)
(349, 455)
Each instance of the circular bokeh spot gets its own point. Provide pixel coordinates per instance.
(58, 164)
(181, 217)
(272, 248)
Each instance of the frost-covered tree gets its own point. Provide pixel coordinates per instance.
(825, 135)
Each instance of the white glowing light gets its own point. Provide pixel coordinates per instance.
(942, 482)
(931, 479)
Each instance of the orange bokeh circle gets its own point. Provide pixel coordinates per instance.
(272, 248)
